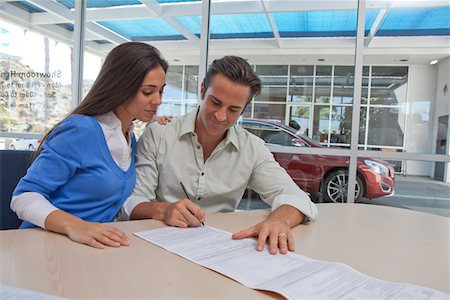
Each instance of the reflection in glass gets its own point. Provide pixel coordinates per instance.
(321, 123)
(301, 83)
(174, 80)
(270, 111)
(301, 115)
(385, 127)
(344, 77)
(274, 83)
(388, 85)
(191, 82)
(35, 86)
(362, 126)
(323, 84)
(341, 117)
(248, 111)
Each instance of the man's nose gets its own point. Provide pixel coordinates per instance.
(221, 115)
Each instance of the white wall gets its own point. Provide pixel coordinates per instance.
(420, 115)
(442, 105)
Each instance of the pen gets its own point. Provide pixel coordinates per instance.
(187, 196)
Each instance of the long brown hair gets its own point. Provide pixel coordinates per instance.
(119, 80)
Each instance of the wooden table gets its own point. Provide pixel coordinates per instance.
(388, 243)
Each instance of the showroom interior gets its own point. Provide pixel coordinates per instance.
(365, 80)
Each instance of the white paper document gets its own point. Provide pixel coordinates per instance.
(292, 275)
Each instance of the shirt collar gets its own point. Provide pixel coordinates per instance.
(188, 126)
(111, 121)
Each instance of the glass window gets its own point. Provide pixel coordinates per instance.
(92, 65)
(35, 85)
(301, 115)
(321, 123)
(344, 77)
(274, 83)
(270, 111)
(191, 82)
(174, 84)
(341, 117)
(301, 83)
(385, 128)
(323, 84)
(388, 85)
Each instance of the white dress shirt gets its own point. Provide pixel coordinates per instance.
(35, 208)
(170, 154)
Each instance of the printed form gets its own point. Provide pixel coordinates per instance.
(292, 275)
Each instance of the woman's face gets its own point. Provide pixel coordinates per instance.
(144, 104)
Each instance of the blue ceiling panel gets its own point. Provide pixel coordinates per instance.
(416, 22)
(192, 23)
(171, 1)
(143, 29)
(26, 6)
(320, 23)
(232, 26)
(101, 3)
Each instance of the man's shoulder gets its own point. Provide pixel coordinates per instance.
(168, 131)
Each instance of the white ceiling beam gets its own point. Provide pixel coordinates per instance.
(154, 6)
(273, 25)
(15, 14)
(377, 23)
(228, 7)
(62, 12)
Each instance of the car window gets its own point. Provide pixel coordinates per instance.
(269, 133)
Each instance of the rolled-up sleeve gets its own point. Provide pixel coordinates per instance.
(275, 186)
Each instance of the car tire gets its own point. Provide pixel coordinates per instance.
(334, 188)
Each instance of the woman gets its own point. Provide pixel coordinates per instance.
(84, 168)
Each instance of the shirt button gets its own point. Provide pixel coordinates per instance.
(198, 147)
(203, 173)
(199, 198)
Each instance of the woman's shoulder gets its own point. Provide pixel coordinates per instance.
(75, 125)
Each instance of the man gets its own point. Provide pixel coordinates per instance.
(216, 160)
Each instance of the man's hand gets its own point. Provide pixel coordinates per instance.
(184, 213)
(276, 229)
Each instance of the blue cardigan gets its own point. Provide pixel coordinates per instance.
(76, 172)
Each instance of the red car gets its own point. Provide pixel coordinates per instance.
(323, 177)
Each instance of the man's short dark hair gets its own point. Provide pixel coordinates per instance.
(237, 70)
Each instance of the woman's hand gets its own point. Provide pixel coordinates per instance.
(163, 120)
(96, 235)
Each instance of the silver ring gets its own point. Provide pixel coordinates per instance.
(282, 234)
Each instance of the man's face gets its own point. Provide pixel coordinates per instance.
(222, 104)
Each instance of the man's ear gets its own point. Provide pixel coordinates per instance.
(202, 90)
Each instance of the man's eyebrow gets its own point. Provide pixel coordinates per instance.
(232, 106)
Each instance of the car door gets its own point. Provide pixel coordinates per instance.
(301, 167)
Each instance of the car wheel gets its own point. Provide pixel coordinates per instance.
(335, 186)
(31, 147)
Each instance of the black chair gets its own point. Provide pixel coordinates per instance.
(13, 166)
